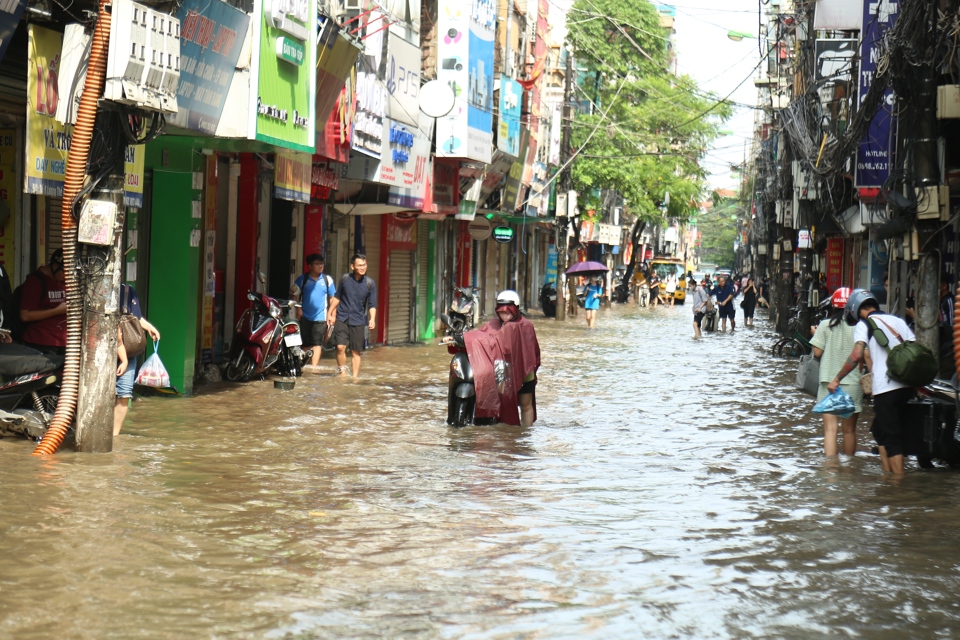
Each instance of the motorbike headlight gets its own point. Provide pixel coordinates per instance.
(457, 368)
(274, 311)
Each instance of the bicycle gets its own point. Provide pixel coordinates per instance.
(796, 343)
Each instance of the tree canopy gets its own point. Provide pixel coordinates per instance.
(643, 129)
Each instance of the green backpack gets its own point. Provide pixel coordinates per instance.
(908, 363)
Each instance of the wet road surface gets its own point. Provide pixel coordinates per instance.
(672, 489)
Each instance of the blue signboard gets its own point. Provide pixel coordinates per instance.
(551, 274)
(483, 22)
(873, 152)
(211, 36)
(10, 13)
(511, 99)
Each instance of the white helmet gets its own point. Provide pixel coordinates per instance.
(508, 296)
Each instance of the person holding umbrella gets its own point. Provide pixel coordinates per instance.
(591, 303)
(590, 269)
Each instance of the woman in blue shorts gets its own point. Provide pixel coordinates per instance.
(129, 303)
(591, 303)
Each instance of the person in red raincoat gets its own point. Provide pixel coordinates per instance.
(505, 356)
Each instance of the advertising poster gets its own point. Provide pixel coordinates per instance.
(873, 152)
(293, 176)
(283, 63)
(483, 23)
(834, 263)
(48, 141)
(336, 61)
(511, 100)
(9, 194)
(453, 54)
(211, 36)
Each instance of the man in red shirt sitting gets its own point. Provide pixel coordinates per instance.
(43, 307)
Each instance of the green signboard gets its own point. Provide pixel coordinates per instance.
(284, 95)
(503, 234)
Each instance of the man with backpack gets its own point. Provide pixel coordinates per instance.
(315, 290)
(355, 295)
(43, 307)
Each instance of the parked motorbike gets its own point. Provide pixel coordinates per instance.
(548, 299)
(930, 431)
(463, 309)
(264, 339)
(29, 390)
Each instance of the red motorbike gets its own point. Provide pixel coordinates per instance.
(264, 339)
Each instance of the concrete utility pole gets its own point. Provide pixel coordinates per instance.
(98, 349)
(566, 184)
(927, 171)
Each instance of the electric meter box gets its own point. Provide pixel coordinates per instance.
(97, 221)
(143, 66)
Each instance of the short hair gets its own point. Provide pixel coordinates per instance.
(869, 304)
(358, 256)
(314, 257)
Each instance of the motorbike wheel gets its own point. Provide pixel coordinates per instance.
(463, 415)
(240, 369)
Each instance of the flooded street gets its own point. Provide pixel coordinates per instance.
(672, 488)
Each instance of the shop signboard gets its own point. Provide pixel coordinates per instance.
(406, 165)
(48, 141)
(512, 190)
(283, 96)
(211, 37)
(403, 79)
(511, 99)
(503, 234)
(480, 228)
(333, 139)
(368, 129)
(293, 175)
(10, 12)
(873, 152)
(324, 178)
(553, 157)
(446, 178)
(336, 60)
(551, 272)
(465, 54)
(400, 233)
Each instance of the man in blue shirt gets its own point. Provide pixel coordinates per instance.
(314, 290)
(725, 294)
(348, 314)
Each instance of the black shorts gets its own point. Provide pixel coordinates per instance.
(312, 332)
(528, 387)
(350, 336)
(727, 311)
(698, 317)
(891, 414)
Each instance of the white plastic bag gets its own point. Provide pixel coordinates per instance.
(153, 373)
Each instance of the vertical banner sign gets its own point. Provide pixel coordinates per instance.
(336, 61)
(403, 79)
(453, 55)
(834, 263)
(9, 196)
(555, 134)
(211, 36)
(483, 24)
(371, 93)
(283, 63)
(511, 99)
(873, 152)
(48, 141)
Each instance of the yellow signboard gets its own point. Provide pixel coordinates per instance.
(293, 175)
(48, 141)
(8, 198)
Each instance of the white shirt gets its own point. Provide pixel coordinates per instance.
(882, 383)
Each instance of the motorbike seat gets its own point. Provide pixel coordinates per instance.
(19, 360)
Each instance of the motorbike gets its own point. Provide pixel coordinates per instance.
(265, 339)
(29, 390)
(548, 299)
(930, 431)
(463, 309)
(461, 391)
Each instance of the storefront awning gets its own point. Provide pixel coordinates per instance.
(369, 209)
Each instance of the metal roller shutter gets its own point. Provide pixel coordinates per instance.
(400, 268)
(54, 226)
(423, 276)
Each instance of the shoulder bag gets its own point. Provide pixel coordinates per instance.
(808, 375)
(132, 334)
(909, 362)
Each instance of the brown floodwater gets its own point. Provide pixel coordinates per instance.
(672, 488)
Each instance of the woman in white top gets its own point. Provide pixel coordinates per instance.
(671, 287)
(832, 343)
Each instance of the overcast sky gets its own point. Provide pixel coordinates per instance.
(720, 64)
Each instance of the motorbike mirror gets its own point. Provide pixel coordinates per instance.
(252, 296)
(445, 318)
(262, 278)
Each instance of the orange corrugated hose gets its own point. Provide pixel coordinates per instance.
(956, 332)
(73, 182)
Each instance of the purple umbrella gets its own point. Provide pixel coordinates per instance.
(588, 268)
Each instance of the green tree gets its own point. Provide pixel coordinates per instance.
(718, 232)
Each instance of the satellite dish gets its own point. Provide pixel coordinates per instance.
(436, 99)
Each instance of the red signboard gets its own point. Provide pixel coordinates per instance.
(834, 263)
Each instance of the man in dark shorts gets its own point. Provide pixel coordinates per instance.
(725, 293)
(315, 290)
(356, 294)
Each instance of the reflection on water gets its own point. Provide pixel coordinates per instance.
(672, 488)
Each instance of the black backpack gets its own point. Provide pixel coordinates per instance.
(13, 321)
